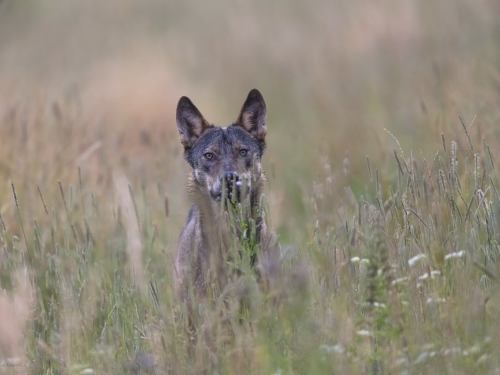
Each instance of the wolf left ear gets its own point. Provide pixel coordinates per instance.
(253, 115)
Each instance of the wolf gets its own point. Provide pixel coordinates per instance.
(226, 185)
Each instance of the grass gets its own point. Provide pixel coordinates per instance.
(385, 201)
(400, 279)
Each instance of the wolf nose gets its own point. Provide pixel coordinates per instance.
(230, 177)
(232, 183)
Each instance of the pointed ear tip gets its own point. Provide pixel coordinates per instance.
(184, 100)
(254, 92)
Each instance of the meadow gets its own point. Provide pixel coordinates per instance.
(382, 157)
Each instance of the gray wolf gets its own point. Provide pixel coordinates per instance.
(227, 186)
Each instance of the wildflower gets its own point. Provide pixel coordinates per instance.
(363, 332)
(415, 259)
(436, 300)
(399, 281)
(435, 273)
(458, 254)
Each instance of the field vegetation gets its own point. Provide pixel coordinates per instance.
(383, 157)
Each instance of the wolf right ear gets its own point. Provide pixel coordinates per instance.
(190, 122)
(253, 115)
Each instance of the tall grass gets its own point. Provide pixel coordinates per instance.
(401, 278)
(384, 199)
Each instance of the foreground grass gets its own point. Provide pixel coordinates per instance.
(401, 279)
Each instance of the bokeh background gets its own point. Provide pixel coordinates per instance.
(88, 91)
(95, 84)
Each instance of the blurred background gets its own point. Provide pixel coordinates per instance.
(88, 88)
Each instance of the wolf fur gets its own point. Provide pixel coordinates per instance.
(226, 173)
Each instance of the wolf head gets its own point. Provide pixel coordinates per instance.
(225, 161)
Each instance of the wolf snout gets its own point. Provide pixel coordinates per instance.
(230, 176)
(232, 183)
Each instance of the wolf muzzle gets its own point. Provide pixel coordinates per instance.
(231, 184)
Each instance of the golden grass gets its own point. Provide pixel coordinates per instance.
(368, 165)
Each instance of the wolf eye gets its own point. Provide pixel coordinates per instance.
(243, 152)
(208, 155)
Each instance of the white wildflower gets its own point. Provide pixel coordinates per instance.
(415, 259)
(332, 348)
(421, 358)
(363, 332)
(435, 273)
(435, 300)
(426, 275)
(399, 281)
(458, 254)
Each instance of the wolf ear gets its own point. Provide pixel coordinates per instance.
(190, 122)
(253, 115)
